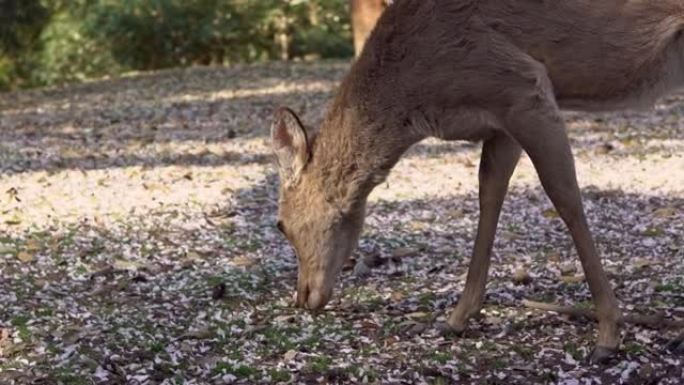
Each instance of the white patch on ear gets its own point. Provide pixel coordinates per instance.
(290, 144)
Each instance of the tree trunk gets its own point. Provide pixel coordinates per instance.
(314, 11)
(282, 37)
(364, 15)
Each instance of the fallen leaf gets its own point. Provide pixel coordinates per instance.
(13, 221)
(389, 341)
(455, 213)
(289, 355)
(25, 257)
(493, 320)
(418, 315)
(641, 263)
(198, 334)
(568, 269)
(404, 252)
(550, 213)
(652, 232)
(244, 261)
(554, 257)
(665, 212)
(521, 276)
(33, 245)
(397, 296)
(4, 249)
(193, 255)
(122, 264)
(572, 278)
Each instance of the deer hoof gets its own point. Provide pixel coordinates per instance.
(447, 330)
(602, 355)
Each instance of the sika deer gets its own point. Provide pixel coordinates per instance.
(364, 15)
(496, 71)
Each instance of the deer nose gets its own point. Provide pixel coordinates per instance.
(317, 300)
(310, 299)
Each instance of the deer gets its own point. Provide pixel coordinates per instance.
(492, 71)
(364, 15)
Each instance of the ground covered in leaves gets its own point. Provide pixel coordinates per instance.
(137, 245)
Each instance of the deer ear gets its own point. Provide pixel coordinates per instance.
(290, 144)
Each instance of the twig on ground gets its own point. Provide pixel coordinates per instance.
(655, 321)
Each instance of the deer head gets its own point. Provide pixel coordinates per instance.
(322, 226)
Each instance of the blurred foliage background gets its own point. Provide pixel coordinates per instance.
(46, 42)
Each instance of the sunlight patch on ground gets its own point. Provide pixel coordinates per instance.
(273, 91)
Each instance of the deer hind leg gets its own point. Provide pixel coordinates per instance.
(534, 121)
(499, 157)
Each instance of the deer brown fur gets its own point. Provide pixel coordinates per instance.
(495, 71)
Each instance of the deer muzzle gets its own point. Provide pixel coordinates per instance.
(311, 298)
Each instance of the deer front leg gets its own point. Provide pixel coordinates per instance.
(535, 122)
(499, 157)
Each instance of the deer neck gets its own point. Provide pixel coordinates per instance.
(358, 144)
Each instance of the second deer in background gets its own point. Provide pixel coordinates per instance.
(365, 14)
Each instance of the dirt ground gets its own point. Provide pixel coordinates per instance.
(138, 246)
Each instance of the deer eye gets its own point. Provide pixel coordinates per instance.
(281, 227)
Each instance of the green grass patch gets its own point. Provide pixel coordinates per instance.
(523, 351)
(279, 340)
(240, 371)
(439, 357)
(20, 322)
(278, 375)
(66, 376)
(572, 349)
(633, 348)
(320, 364)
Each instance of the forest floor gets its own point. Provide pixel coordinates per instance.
(138, 246)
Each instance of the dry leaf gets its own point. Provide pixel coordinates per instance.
(391, 341)
(199, 334)
(25, 257)
(4, 249)
(397, 296)
(33, 245)
(289, 355)
(122, 264)
(568, 269)
(641, 263)
(244, 261)
(550, 213)
(418, 315)
(403, 252)
(192, 255)
(572, 278)
(554, 257)
(665, 212)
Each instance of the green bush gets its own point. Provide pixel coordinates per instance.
(21, 22)
(70, 53)
(150, 34)
(329, 36)
(53, 41)
(322, 41)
